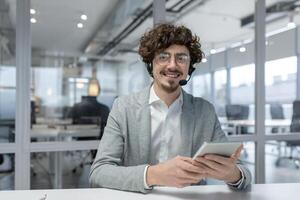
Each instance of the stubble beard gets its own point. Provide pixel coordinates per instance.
(171, 87)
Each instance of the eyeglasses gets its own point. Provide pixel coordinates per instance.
(164, 58)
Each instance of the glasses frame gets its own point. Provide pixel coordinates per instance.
(177, 57)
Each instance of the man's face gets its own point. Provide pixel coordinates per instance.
(170, 66)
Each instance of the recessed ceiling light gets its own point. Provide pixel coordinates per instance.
(83, 17)
(32, 11)
(213, 51)
(242, 49)
(79, 25)
(33, 20)
(204, 60)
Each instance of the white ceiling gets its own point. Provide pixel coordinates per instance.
(56, 27)
(217, 22)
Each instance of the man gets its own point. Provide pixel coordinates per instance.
(90, 111)
(151, 136)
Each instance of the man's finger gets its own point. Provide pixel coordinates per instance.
(237, 153)
(219, 159)
(186, 166)
(211, 164)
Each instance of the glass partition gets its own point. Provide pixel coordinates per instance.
(201, 86)
(280, 94)
(75, 79)
(64, 169)
(7, 175)
(282, 162)
(7, 71)
(220, 78)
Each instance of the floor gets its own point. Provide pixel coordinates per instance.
(42, 177)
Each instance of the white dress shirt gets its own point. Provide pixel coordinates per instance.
(165, 129)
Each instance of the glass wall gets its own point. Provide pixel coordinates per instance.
(75, 80)
(282, 162)
(7, 167)
(7, 72)
(280, 93)
(201, 86)
(242, 85)
(7, 93)
(220, 78)
(63, 169)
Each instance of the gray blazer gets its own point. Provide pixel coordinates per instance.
(124, 150)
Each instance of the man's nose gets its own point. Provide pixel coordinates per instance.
(172, 63)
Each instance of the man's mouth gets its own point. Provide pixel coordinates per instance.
(171, 74)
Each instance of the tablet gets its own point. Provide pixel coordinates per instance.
(224, 149)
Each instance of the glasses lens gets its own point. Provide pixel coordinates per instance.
(182, 59)
(163, 58)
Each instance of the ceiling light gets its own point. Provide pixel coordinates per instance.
(83, 17)
(79, 85)
(32, 11)
(94, 86)
(242, 49)
(204, 60)
(33, 20)
(213, 51)
(79, 25)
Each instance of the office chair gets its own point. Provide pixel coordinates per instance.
(294, 127)
(237, 112)
(90, 111)
(276, 111)
(1, 159)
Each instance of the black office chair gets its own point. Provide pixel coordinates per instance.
(238, 112)
(1, 159)
(294, 127)
(90, 111)
(276, 111)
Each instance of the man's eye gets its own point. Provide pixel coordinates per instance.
(163, 56)
(182, 58)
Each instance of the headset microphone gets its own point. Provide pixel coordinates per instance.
(184, 82)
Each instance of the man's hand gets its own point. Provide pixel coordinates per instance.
(220, 167)
(177, 172)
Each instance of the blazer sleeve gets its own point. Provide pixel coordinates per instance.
(219, 136)
(108, 169)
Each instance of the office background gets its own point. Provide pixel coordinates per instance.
(52, 51)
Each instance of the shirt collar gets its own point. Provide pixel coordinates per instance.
(154, 98)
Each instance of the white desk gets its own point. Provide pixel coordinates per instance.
(290, 191)
(60, 132)
(281, 124)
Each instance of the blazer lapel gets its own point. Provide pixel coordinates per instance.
(187, 124)
(144, 125)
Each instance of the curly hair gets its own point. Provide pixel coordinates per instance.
(165, 35)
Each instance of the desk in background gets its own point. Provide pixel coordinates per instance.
(59, 133)
(211, 192)
(235, 126)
